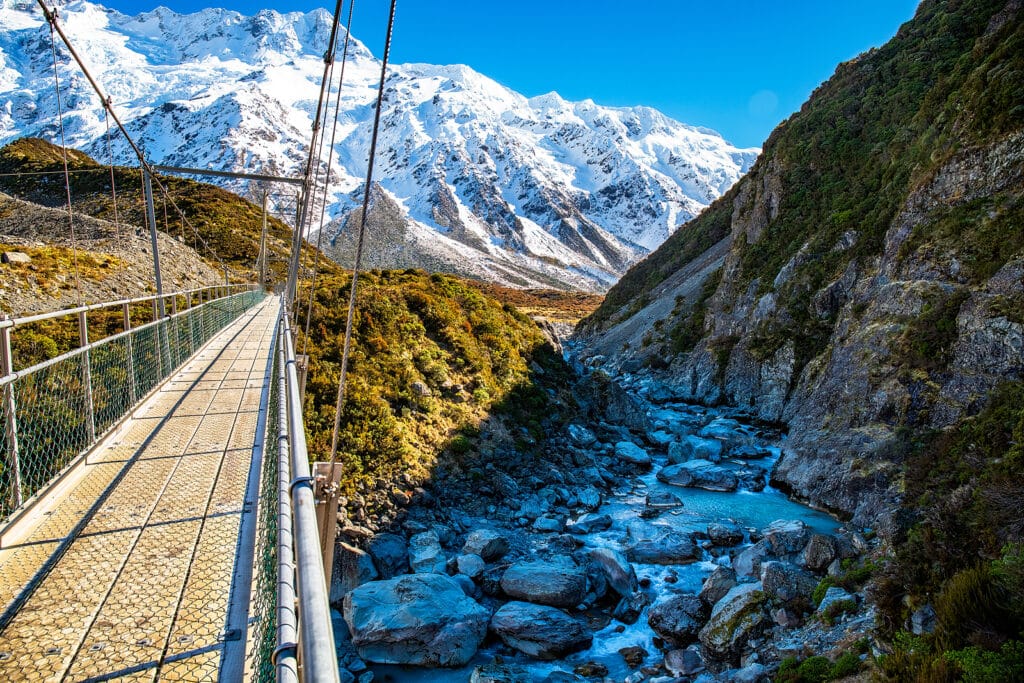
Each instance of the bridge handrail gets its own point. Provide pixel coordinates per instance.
(315, 633)
(55, 411)
(226, 290)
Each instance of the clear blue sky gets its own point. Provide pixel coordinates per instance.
(739, 67)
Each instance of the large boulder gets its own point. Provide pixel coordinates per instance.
(352, 567)
(617, 570)
(735, 619)
(490, 545)
(559, 584)
(786, 536)
(719, 582)
(656, 544)
(728, 431)
(678, 620)
(785, 583)
(629, 452)
(702, 474)
(540, 631)
(425, 553)
(725, 532)
(589, 523)
(390, 555)
(819, 553)
(418, 619)
(748, 562)
(694, 448)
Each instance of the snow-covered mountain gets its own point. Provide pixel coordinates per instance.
(474, 178)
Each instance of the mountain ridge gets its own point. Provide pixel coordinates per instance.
(540, 190)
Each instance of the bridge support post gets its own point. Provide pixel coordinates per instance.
(90, 407)
(10, 417)
(126, 312)
(327, 478)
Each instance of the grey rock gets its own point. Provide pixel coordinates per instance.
(786, 536)
(735, 619)
(699, 474)
(818, 553)
(683, 662)
(559, 584)
(784, 583)
(833, 595)
(389, 554)
(588, 524)
(748, 562)
(751, 673)
(540, 631)
(490, 545)
(678, 620)
(750, 452)
(419, 619)
(661, 545)
(15, 257)
(549, 524)
(663, 500)
(922, 621)
(352, 567)
(581, 435)
(629, 452)
(629, 608)
(617, 570)
(725, 532)
(719, 582)
(421, 389)
(589, 498)
(499, 673)
(692, 447)
(470, 565)
(425, 553)
(786, 618)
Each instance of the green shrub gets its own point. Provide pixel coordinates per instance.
(837, 609)
(847, 665)
(982, 666)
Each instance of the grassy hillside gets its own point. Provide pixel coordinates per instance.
(432, 358)
(230, 225)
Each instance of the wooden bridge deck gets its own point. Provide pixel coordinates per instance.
(129, 572)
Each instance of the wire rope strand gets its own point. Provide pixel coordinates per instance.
(327, 182)
(346, 349)
(113, 184)
(64, 156)
(51, 18)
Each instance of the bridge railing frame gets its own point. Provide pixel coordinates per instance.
(82, 385)
(294, 638)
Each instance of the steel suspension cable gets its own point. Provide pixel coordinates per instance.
(51, 18)
(64, 156)
(346, 349)
(113, 186)
(307, 176)
(327, 179)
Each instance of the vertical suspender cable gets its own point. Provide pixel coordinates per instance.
(64, 150)
(340, 405)
(113, 186)
(327, 179)
(307, 190)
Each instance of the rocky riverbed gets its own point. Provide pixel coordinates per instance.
(645, 545)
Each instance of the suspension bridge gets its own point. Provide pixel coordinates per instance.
(158, 517)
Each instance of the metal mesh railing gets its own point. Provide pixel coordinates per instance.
(263, 608)
(53, 411)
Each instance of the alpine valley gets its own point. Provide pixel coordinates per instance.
(471, 177)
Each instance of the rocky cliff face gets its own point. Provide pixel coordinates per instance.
(874, 280)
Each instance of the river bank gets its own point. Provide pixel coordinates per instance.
(645, 545)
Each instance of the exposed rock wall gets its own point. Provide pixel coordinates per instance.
(870, 326)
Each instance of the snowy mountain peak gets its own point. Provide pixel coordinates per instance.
(477, 178)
